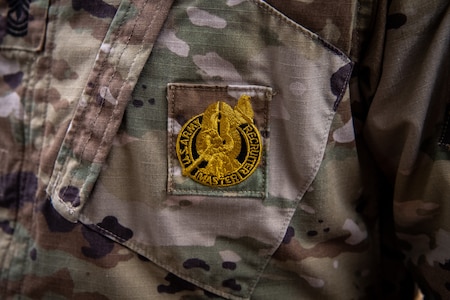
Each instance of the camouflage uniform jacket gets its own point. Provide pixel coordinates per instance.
(237, 149)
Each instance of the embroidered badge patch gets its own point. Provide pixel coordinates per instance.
(218, 138)
(23, 24)
(18, 16)
(220, 147)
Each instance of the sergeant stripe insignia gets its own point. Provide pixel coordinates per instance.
(18, 16)
(222, 146)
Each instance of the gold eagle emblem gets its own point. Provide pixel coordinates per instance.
(222, 146)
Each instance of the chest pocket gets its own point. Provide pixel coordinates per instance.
(218, 240)
(25, 24)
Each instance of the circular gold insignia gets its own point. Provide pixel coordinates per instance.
(220, 147)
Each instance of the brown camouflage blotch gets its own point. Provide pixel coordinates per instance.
(84, 21)
(59, 283)
(331, 248)
(59, 68)
(5, 133)
(415, 213)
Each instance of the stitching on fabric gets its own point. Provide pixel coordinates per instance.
(28, 105)
(113, 113)
(109, 83)
(271, 251)
(318, 158)
(44, 125)
(172, 157)
(100, 109)
(222, 88)
(308, 182)
(50, 68)
(171, 142)
(265, 262)
(300, 29)
(21, 186)
(343, 89)
(3, 257)
(27, 133)
(23, 183)
(29, 91)
(266, 146)
(249, 193)
(78, 115)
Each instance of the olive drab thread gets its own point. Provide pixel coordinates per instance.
(222, 146)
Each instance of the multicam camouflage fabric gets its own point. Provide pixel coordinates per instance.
(93, 202)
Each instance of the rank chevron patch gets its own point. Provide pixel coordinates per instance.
(18, 17)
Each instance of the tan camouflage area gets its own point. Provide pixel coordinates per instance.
(348, 202)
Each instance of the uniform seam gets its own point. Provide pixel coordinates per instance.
(221, 193)
(78, 115)
(288, 218)
(300, 29)
(170, 182)
(19, 190)
(114, 111)
(3, 156)
(266, 143)
(50, 68)
(205, 87)
(318, 159)
(343, 88)
(99, 110)
(44, 125)
(24, 179)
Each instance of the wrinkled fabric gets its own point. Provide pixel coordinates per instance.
(348, 200)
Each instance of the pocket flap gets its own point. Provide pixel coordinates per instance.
(204, 234)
